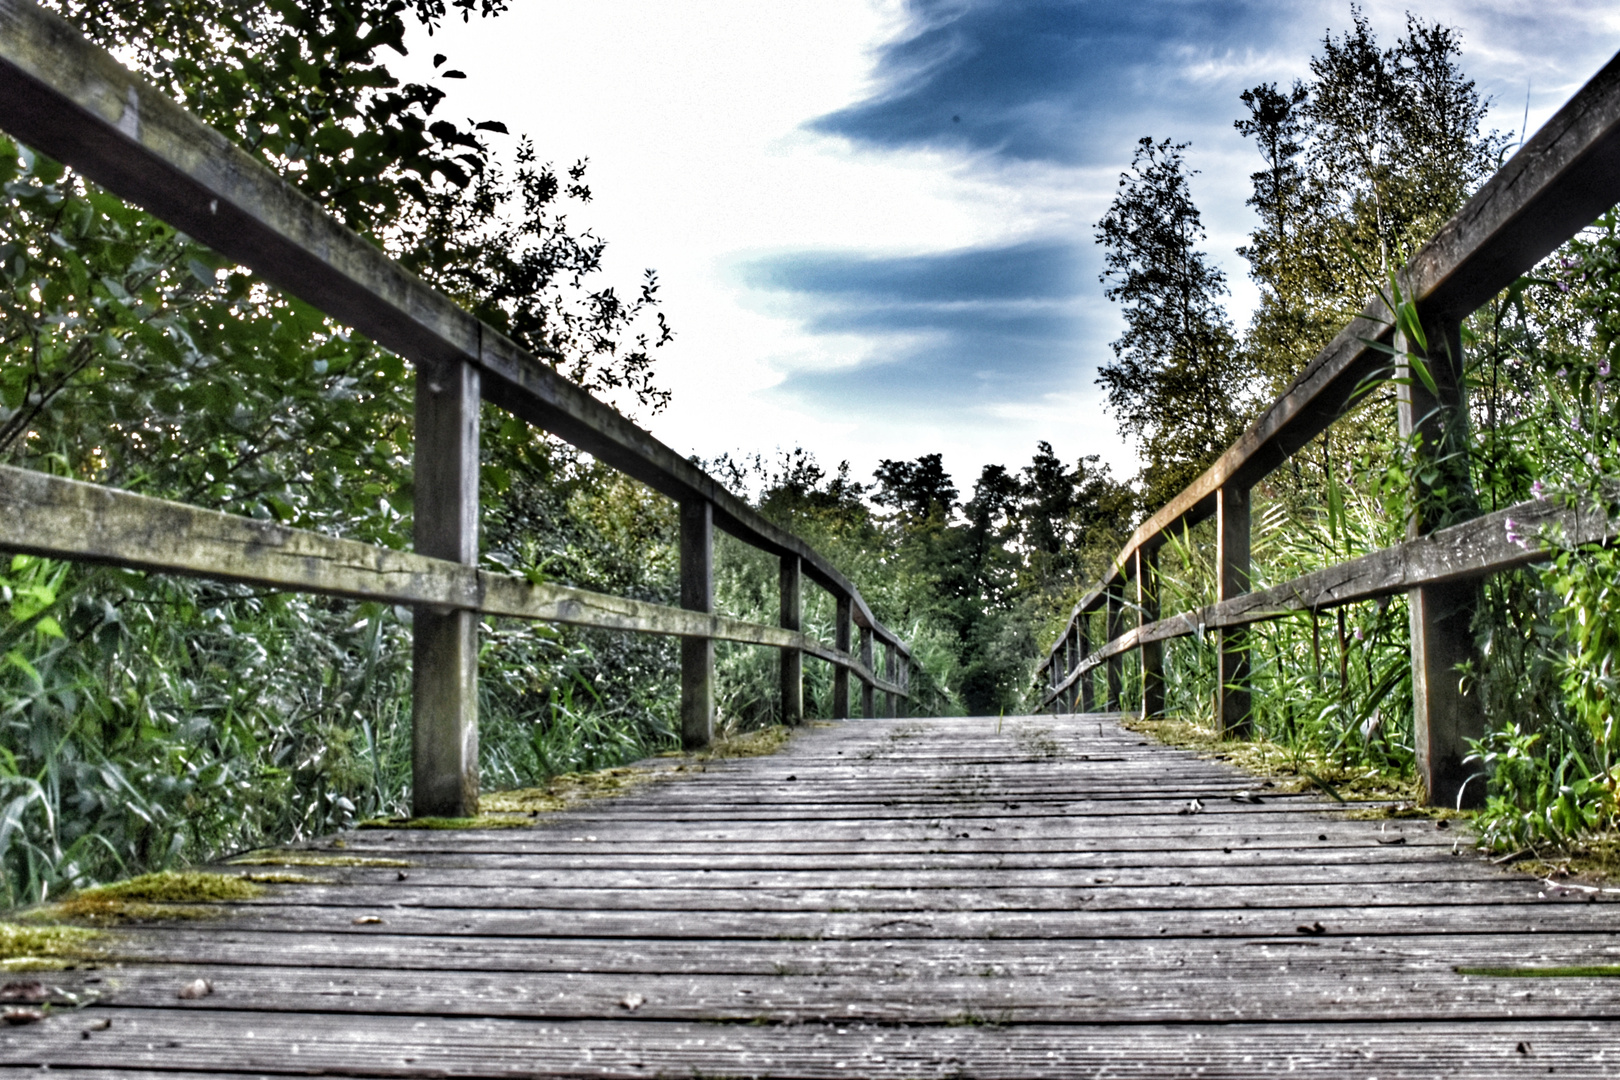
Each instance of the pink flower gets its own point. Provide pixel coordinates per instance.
(1538, 489)
(1514, 536)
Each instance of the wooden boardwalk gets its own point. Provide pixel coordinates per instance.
(884, 898)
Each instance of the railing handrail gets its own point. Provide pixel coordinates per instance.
(1556, 184)
(74, 102)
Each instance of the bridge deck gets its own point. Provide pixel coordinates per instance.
(884, 898)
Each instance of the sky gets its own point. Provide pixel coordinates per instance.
(872, 219)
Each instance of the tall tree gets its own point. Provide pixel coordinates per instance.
(1178, 384)
(1362, 164)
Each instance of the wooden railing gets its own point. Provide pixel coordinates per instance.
(1555, 185)
(75, 103)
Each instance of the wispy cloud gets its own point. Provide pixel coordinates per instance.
(963, 328)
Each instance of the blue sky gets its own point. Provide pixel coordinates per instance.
(873, 218)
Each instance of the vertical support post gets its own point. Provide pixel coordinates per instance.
(1072, 647)
(792, 659)
(1445, 717)
(891, 673)
(1152, 652)
(1233, 717)
(866, 659)
(1082, 640)
(840, 702)
(1115, 626)
(697, 594)
(444, 645)
(1063, 660)
(905, 684)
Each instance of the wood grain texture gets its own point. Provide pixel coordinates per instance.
(820, 913)
(68, 519)
(1486, 545)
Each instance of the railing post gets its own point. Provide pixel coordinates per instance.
(1064, 662)
(1152, 652)
(1233, 717)
(444, 645)
(1115, 626)
(697, 594)
(1444, 715)
(1082, 641)
(866, 660)
(840, 701)
(891, 674)
(904, 705)
(792, 659)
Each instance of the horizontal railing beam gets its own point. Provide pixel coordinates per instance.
(1557, 183)
(70, 100)
(58, 518)
(1471, 550)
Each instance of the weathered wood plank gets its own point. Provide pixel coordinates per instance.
(1463, 552)
(172, 1040)
(68, 519)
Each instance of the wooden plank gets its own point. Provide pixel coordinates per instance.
(172, 1041)
(69, 519)
(1288, 986)
(74, 102)
(921, 958)
(1461, 553)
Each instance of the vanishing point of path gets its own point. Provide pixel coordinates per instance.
(905, 898)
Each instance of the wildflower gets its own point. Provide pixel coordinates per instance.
(1603, 369)
(1538, 489)
(1514, 536)
(1563, 373)
(1359, 635)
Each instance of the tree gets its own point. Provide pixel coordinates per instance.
(1362, 164)
(918, 490)
(1178, 384)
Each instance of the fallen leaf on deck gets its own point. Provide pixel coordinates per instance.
(1246, 796)
(196, 988)
(22, 1016)
(368, 920)
(1313, 929)
(1194, 807)
(632, 1002)
(1390, 841)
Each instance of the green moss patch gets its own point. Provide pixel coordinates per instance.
(170, 894)
(1292, 772)
(46, 948)
(482, 821)
(761, 743)
(565, 790)
(312, 858)
(275, 878)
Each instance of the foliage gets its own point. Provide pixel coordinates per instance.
(146, 720)
(1178, 383)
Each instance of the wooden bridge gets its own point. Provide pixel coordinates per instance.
(1036, 896)
(894, 897)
